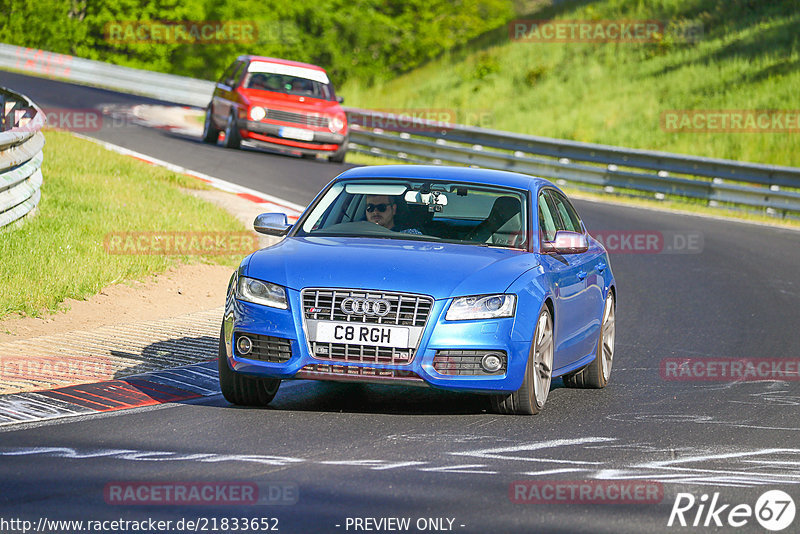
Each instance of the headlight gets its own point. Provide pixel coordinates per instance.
(259, 292)
(336, 124)
(481, 307)
(257, 113)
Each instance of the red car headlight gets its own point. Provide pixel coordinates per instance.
(257, 113)
(336, 124)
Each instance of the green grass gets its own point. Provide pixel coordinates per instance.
(615, 93)
(89, 192)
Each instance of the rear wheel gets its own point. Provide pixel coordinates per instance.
(596, 374)
(530, 398)
(210, 132)
(241, 389)
(232, 137)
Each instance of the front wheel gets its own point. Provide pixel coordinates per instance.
(338, 156)
(529, 399)
(596, 374)
(241, 389)
(210, 132)
(232, 137)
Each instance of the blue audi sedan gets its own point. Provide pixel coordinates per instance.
(455, 278)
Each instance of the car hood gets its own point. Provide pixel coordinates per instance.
(290, 102)
(441, 270)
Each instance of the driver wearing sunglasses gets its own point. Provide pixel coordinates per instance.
(381, 209)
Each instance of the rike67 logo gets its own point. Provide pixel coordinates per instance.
(774, 510)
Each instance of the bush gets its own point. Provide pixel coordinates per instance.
(363, 39)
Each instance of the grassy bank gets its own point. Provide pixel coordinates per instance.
(748, 58)
(88, 193)
(672, 205)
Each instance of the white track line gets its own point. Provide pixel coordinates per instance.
(290, 208)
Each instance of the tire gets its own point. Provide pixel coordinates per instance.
(338, 156)
(529, 399)
(210, 132)
(241, 389)
(232, 137)
(596, 374)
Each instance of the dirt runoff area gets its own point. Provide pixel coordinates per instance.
(181, 290)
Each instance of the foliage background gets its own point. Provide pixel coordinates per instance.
(365, 39)
(457, 55)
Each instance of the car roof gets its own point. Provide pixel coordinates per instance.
(450, 173)
(280, 61)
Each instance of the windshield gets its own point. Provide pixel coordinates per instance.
(421, 210)
(288, 80)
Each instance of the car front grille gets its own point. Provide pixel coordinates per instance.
(297, 118)
(267, 348)
(465, 362)
(408, 310)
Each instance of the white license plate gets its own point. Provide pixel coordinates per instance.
(296, 133)
(363, 334)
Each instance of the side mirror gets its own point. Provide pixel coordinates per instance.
(272, 224)
(340, 99)
(566, 243)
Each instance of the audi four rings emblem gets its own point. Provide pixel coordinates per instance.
(371, 307)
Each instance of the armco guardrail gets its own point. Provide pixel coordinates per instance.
(21, 143)
(167, 87)
(658, 175)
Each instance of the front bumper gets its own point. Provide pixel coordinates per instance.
(270, 134)
(495, 335)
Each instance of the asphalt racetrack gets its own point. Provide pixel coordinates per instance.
(347, 458)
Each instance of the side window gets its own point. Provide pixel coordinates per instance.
(228, 73)
(569, 217)
(328, 93)
(237, 75)
(547, 223)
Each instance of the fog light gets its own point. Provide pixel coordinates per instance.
(244, 345)
(491, 362)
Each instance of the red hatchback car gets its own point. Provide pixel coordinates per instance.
(276, 103)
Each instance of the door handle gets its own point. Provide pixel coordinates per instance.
(601, 267)
(581, 275)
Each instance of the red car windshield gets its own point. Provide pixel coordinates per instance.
(288, 84)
